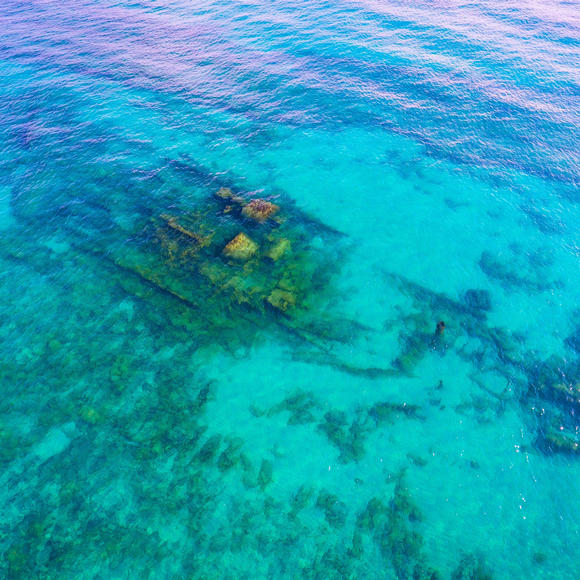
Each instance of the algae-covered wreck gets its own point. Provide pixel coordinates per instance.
(235, 257)
(231, 251)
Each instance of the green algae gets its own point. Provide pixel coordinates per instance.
(300, 406)
(357, 548)
(335, 511)
(266, 474)
(121, 372)
(348, 438)
(347, 434)
(230, 456)
(394, 525)
(300, 500)
(209, 449)
(523, 269)
(471, 567)
(10, 445)
(373, 516)
(324, 358)
(385, 412)
(548, 384)
(399, 541)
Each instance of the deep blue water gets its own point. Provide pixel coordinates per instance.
(171, 409)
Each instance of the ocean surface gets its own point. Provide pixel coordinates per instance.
(289, 289)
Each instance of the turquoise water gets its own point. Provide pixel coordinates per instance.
(169, 412)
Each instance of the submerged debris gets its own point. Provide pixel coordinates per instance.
(240, 248)
(231, 257)
(477, 299)
(260, 210)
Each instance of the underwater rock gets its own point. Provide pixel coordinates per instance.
(202, 256)
(334, 565)
(573, 341)
(334, 432)
(120, 372)
(300, 499)
(249, 475)
(399, 543)
(300, 405)
(241, 248)
(545, 222)
(90, 415)
(337, 418)
(328, 359)
(560, 440)
(403, 503)
(423, 571)
(484, 409)
(281, 299)
(373, 516)
(398, 539)
(19, 562)
(334, 510)
(260, 210)
(416, 460)
(354, 448)
(416, 346)
(265, 474)
(554, 380)
(53, 443)
(569, 393)
(11, 445)
(357, 548)
(301, 417)
(539, 558)
(471, 568)
(255, 411)
(226, 194)
(557, 381)
(171, 222)
(528, 272)
(230, 456)
(204, 395)
(385, 412)
(544, 373)
(477, 299)
(505, 342)
(209, 449)
(278, 249)
(350, 442)
(341, 330)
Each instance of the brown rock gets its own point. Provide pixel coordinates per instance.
(240, 248)
(227, 194)
(281, 299)
(278, 249)
(260, 210)
(90, 415)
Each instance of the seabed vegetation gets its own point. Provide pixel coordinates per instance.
(177, 277)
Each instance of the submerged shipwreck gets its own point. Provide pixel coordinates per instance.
(236, 259)
(233, 253)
